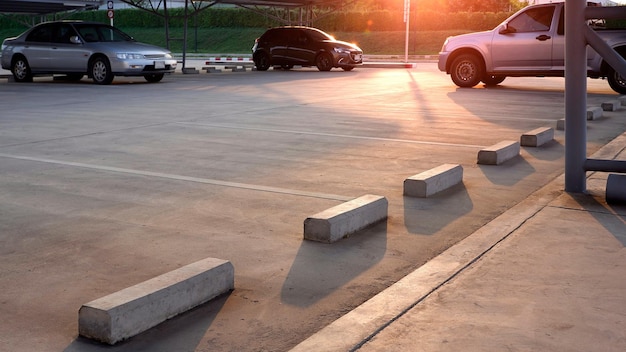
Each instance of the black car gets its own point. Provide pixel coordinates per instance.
(304, 46)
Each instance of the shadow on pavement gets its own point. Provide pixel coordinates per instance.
(321, 268)
(424, 216)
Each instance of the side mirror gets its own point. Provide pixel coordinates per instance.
(505, 29)
(75, 40)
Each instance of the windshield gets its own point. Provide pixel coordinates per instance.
(318, 35)
(101, 33)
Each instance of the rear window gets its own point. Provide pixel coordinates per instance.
(101, 33)
(41, 34)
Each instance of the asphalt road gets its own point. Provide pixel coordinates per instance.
(103, 187)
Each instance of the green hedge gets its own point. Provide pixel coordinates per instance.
(336, 21)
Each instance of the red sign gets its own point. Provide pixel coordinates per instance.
(110, 14)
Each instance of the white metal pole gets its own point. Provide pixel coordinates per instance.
(407, 16)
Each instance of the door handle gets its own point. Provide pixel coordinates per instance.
(543, 38)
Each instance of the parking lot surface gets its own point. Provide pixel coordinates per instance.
(103, 187)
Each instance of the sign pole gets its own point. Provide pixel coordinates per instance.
(407, 15)
(110, 11)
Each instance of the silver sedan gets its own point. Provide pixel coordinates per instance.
(77, 48)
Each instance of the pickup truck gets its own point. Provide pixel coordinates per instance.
(529, 43)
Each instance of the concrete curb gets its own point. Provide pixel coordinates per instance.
(499, 153)
(344, 219)
(128, 312)
(433, 181)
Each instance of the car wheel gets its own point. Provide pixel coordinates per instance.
(616, 81)
(21, 70)
(262, 61)
(347, 68)
(466, 71)
(324, 62)
(493, 80)
(101, 71)
(154, 77)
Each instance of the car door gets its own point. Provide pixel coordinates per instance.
(525, 43)
(276, 43)
(37, 47)
(302, 48)
(67, 56)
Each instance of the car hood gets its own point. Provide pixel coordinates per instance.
(472, 39)
(128, 47)
(344, 44)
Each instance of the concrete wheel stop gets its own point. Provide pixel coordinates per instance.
(133, 310)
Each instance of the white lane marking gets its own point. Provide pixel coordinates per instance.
(332, 135)
(260, 188)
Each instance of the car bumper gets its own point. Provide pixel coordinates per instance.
(351, 59)
(443, 59)
(141, 67)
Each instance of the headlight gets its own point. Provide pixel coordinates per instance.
(341, 50)
(129, 56)
(168, 56)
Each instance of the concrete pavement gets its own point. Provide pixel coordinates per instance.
(547, 275)
(99, 195)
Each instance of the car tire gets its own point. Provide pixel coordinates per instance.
(262, 61)
(21, 70)
(466, 70)
(154, 77)
(493, 80)
(324, 62)
(100, 69)
(616, 81)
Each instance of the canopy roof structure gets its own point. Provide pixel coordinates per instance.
(43, 7)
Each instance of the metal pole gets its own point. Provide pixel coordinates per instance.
(407, 15)
(575, 97)
(185, 34)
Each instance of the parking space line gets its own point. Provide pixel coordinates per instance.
(252, 187)
(332, 135)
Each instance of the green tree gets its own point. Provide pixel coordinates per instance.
(485, 5)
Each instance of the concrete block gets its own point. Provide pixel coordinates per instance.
(616, 189)
(344, 219)
(211, 69)
(622, 100)
(433, 181)
(190, 70)
(128, 312)
(594, 113)
(499, 153)
(537, 137)
(612, 105)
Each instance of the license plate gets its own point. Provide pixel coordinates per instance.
(159, 65)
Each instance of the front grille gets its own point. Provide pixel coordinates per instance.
(155, 56)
